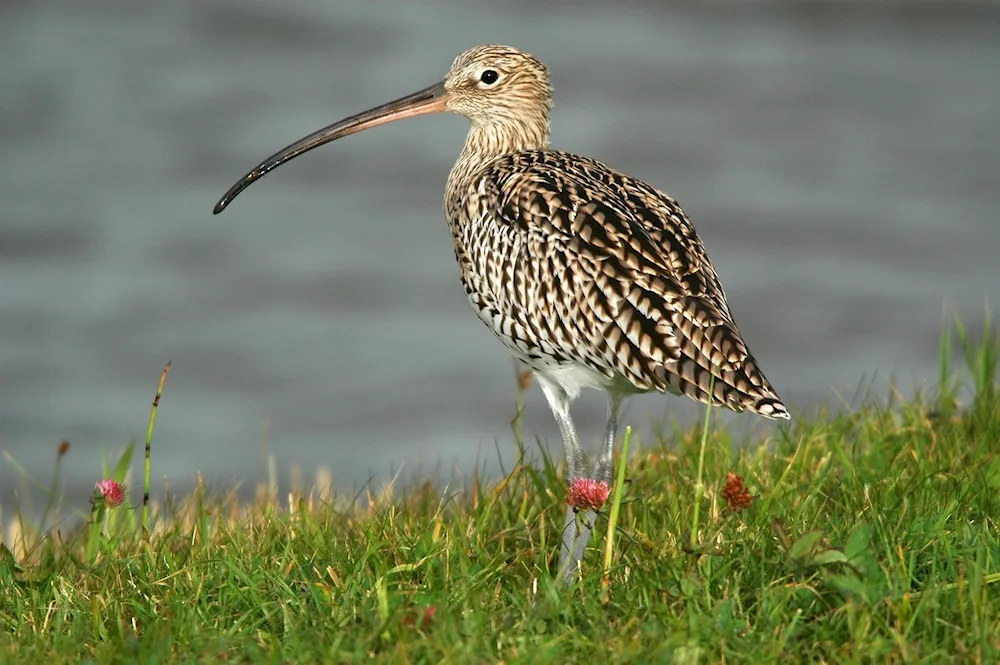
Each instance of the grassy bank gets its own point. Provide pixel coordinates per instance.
(868, 536)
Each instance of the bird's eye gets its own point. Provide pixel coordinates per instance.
(489, 76)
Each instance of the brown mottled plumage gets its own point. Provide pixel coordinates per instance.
(590, 277)
(571, 262)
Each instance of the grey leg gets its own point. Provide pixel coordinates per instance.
(559, 403)
(575, 460)
(580, 544)
(603, 471)
(605, 467)
(569, 564)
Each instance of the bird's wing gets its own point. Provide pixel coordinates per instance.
(621, 279)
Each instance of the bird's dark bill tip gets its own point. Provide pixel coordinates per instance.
(225, 201)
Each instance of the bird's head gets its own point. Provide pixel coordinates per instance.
(489, 84)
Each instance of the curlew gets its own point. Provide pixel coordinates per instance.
(590, 277)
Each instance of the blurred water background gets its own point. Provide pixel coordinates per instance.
(840, 160)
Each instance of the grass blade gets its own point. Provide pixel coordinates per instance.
(609, 542)
(699, 486)
(149, 443)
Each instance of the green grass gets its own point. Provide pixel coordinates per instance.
(874, 538)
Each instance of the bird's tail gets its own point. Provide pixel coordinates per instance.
(741, 388)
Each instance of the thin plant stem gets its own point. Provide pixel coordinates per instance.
(699, 486)
(94, 527)
(149, 443)
(54, 487)
(616, 503)
(523, 378)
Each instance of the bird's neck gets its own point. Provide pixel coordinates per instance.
(487, 142)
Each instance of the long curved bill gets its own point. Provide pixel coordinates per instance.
(428, 100)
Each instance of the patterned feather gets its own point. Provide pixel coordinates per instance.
(573, 263)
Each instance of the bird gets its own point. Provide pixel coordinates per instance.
(590, 277)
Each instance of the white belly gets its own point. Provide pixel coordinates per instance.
(571, 377)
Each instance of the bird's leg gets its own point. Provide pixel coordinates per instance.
(605, 468)
(575, 459)
(603, 472)
(579, 544)
(568, 564)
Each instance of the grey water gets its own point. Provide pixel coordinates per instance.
(840, 160)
